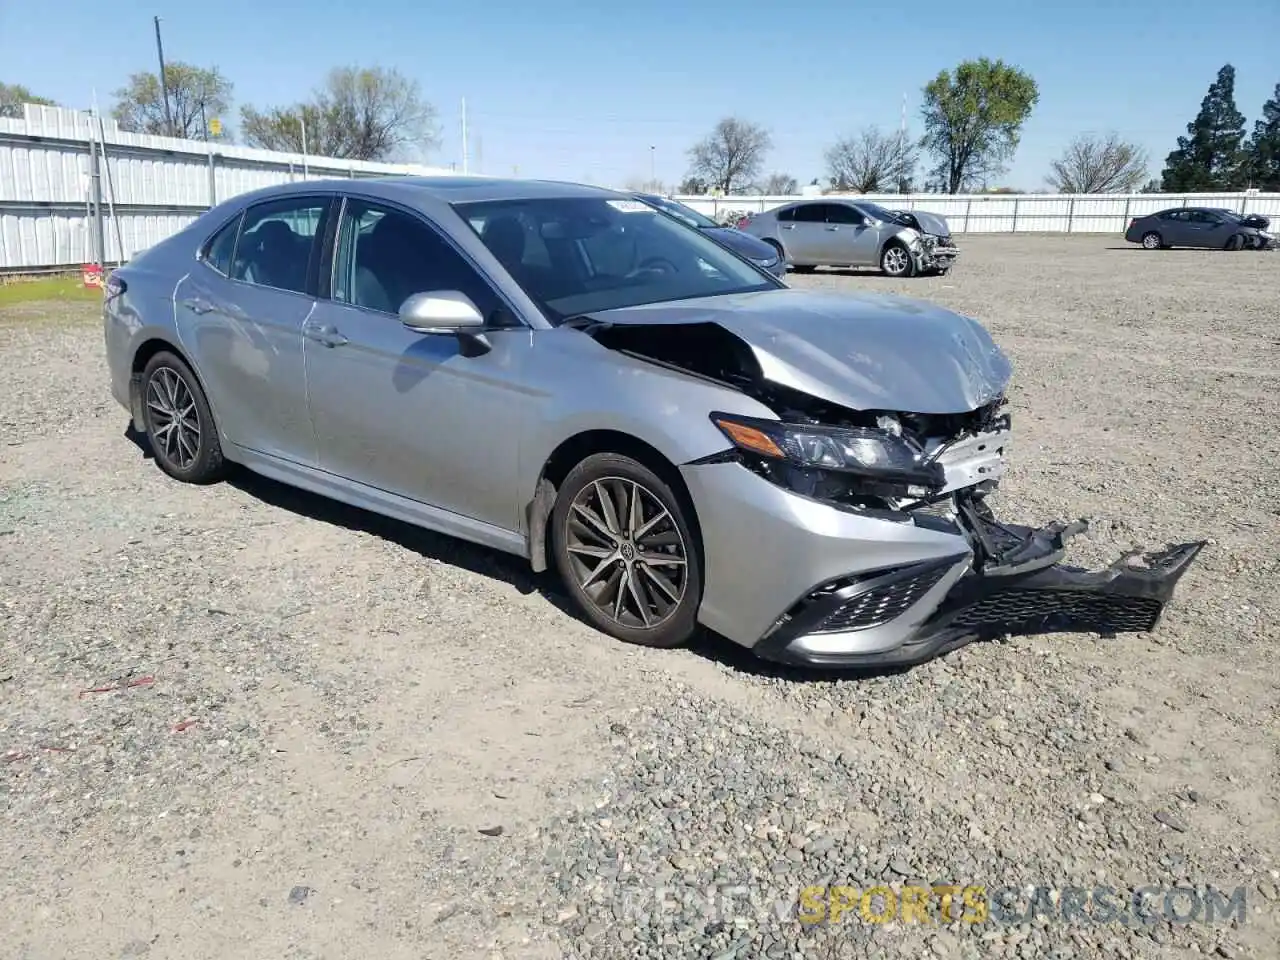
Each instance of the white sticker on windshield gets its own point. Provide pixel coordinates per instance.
(628, 206)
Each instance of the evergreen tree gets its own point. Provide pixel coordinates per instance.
(1264, 148)
(1210, 157)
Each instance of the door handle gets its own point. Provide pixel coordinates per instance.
(833, 228)
(325, 334)
(198, 305)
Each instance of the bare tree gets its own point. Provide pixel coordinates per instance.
(644, 185)
(871, 162)
(779, 185)
(732, 155)
(1098, 164)
(196, 96)
(359, 114)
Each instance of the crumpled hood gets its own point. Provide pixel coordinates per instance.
(930, 222)
(863, 351)
(742, 243)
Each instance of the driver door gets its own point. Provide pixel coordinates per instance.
(405, 412)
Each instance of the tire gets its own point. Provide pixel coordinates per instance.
(168, 383)
(896, 261)
(593, 560)
(1151, 240)
(1235, 242)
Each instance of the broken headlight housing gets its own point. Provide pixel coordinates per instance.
(852, 465)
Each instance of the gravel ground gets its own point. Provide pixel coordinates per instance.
(240, 721)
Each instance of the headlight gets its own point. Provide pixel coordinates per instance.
(864, 451)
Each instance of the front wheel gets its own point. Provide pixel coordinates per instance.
(179, 423)
(625, 550)
(896, 261)
(1235, 242)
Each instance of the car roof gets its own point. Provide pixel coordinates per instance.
(444, 189)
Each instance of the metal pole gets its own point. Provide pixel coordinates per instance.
(213, 182)
(968, 205)
(303, 121)
(1071, 213)
(466, 154)
(164, 83)
(1015, 216)
(95, 181)
(111, 191)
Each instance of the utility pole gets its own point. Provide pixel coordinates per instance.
(466, 157)
(164, 84)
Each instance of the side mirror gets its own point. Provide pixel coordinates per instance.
(440, 312)
(446, 313)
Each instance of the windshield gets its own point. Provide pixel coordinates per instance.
(680, 211)
(879, 212)
(577, 255)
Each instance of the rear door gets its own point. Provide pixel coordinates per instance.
(805, 235)
(1175, 228)
(240, 314)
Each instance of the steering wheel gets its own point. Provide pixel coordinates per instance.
(654, 265)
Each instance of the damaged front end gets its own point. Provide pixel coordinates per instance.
(1012, 579)
(887, 551)
(929, 239)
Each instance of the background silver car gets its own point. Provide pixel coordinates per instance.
(566, 374)
(839, 232)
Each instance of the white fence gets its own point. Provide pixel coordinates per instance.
(153, 186)
(1025, 212)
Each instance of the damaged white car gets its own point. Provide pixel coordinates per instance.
(844, 232)
(565, 374)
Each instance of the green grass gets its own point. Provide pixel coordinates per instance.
(47, 290)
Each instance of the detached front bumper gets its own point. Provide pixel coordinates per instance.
(1015, 584)
(847, 590)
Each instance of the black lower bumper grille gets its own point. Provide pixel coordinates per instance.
(880, 604)
(1016, 610)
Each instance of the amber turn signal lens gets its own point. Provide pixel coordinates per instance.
(749, 438)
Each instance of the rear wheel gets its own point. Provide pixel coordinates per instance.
(623, 545)
(1151, 240)
(896, 261)
(179, 423)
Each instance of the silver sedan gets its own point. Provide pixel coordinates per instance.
(563, 373)
(842, 232)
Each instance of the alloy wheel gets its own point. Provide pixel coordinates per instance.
(175, 421)
(1151, 241)
(895, 261)
(626, 552)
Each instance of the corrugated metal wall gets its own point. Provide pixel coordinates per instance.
(156, 185)
(1025, 213)
(153, 186)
